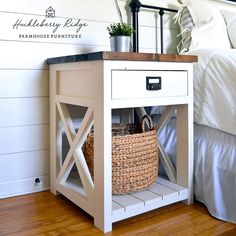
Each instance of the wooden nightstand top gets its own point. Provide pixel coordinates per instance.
(131, 56)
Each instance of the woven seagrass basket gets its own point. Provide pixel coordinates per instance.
(134, 156)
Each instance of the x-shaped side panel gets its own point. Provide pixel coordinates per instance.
(75, 154)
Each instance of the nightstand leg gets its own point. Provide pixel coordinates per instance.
(55, 133)
(184, 148)
(102, 169)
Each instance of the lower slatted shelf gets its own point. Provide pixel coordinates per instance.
(162, 193)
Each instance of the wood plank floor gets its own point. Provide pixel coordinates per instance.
(44, 214)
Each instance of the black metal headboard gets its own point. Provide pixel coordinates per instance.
(135, 6)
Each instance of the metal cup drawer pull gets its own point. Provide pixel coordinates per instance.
(153, 82)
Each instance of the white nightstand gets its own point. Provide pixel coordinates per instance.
(102, 82)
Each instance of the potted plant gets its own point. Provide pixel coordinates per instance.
(120, 35)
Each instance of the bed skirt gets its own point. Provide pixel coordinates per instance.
(214, 168)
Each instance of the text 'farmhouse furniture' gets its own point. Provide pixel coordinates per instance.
(97, 85)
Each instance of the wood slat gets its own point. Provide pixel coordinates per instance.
(117, 208)
(23, 186)
(23, 83)
(24, 138)
(163, 191)
(24, 111)
(147, 197)
(170, 184)
(24, 165)
(127, 201)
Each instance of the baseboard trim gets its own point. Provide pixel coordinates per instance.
(23, 186)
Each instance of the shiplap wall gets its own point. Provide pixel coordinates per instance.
(24, 76)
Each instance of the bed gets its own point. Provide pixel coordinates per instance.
(214, 104)
(214, 132)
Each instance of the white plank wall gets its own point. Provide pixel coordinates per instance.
(24, 138)
(21, 111)
(26, 164)
(24, 77)
(27, 83)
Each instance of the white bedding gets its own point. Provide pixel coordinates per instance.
(215, 171)
(215, 89)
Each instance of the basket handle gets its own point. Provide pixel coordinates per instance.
(147, 119)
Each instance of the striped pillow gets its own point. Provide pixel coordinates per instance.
(186, 25)
(206, 29)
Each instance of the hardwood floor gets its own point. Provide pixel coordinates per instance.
(44, 214)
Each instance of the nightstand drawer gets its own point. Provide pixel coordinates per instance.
(148, 84)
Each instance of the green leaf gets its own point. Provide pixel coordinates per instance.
(120, 29)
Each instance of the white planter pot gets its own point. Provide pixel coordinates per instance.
(120, 43)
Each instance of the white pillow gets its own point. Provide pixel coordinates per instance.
(230, 19)
(209, 29)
